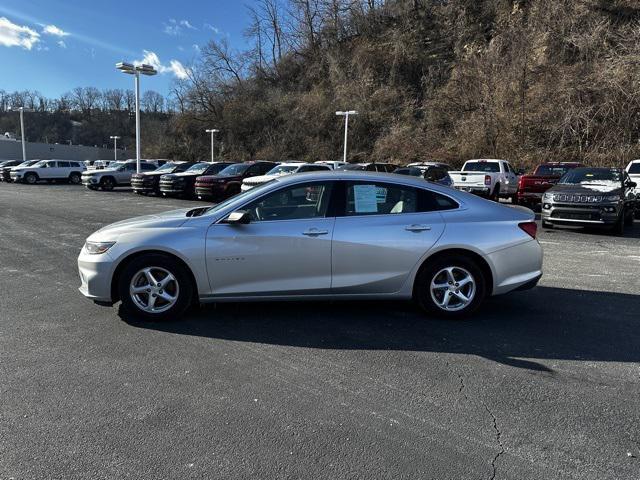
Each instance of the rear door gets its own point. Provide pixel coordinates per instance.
(384, 230)
(50, 170)
(511, 178)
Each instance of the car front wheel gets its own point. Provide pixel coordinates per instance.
(155, 287)
(107, 184)
(30, 178)
(451, 286)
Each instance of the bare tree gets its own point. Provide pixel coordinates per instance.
(152, 102)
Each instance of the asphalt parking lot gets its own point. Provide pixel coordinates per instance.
(539, 384)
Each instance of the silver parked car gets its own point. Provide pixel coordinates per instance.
(321, 235)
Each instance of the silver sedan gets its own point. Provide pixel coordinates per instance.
(333, 235)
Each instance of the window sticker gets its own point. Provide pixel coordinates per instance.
(365, 197)
(381, 194)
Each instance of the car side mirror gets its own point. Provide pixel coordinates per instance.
(239, 217)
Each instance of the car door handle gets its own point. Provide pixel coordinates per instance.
(314, 232)
(417, 228)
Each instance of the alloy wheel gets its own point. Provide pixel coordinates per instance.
(154, 289)
(453, 288)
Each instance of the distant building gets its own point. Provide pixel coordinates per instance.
(11, 149)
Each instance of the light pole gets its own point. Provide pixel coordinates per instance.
(212, 131)
(115, 139)
(346, 128)
(136, 70)
(24, 144)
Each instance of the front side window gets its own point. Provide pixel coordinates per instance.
(148, 166)
(390, 199)
(308, 200)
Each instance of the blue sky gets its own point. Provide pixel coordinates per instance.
(53, 46)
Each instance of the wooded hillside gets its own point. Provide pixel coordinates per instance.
(526, 80)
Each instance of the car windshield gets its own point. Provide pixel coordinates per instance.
(553, 170)
(116, 164)
(280, 169)
(198, 167)
(634, 168)
(167, 167)
(592, 176)
(415, 172)
(481, 167)
(39, 164)
(237, 169)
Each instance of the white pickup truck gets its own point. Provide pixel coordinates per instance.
(488, 178)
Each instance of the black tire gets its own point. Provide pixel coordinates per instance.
(431, 272)
(628, 220)
(495, 196)
(31, 178)
(107, 184)
(75, 178)
(637, 214)
(155, 260)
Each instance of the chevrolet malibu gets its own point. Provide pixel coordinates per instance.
(320, 235)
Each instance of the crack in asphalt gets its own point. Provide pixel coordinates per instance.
(498, 439)
(461, 391)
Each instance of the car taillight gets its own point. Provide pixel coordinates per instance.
(530, 227)
(487, 179)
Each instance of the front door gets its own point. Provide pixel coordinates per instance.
(284, 250)
(385, 230)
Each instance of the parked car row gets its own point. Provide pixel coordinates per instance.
(568, 193)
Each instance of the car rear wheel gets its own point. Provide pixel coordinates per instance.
(618, 228)
(75, 178)
(107, 184)
(155, 287)
(30, 178)
(452, 286)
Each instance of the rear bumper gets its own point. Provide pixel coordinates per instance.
(530, 197)
(517, 267)
(477, 190)
(173, 189)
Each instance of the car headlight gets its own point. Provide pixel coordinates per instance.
(612, 198)
(97, 248)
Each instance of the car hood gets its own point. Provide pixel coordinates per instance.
(170, 219)
(586, 189)
(99, 172)
(264, 178)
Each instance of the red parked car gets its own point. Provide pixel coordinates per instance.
(228, 181)
(532, 187)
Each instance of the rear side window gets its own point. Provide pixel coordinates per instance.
(367, 198)
(148, 166)
(64, 164)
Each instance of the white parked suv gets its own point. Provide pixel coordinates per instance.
(487, 178)
(287, 168)
(49, 170)
(333, 164)
(115, 175)
(633, 169)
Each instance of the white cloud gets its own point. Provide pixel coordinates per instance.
(208, 26)
(12, 35)
(196, 47)
(175, 27)
(178, 69)
(61, 44)
(175, 67)
(55, 31)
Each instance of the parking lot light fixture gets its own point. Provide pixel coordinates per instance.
(136, 70)
(346, 114)
(212, 131)
(115, 139)
(24, 145)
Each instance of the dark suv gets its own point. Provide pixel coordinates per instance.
(431, 173)
(228, 182)
(149, 182)
(181, 184)
(370, 167)
(6, 166)
(591, 197)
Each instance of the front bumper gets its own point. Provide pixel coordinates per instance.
(581, 214)
(90, 181)
(173, 188)
(145, 187)
(530, 197)
(95, 273)
(16, 177)
(212, 190)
